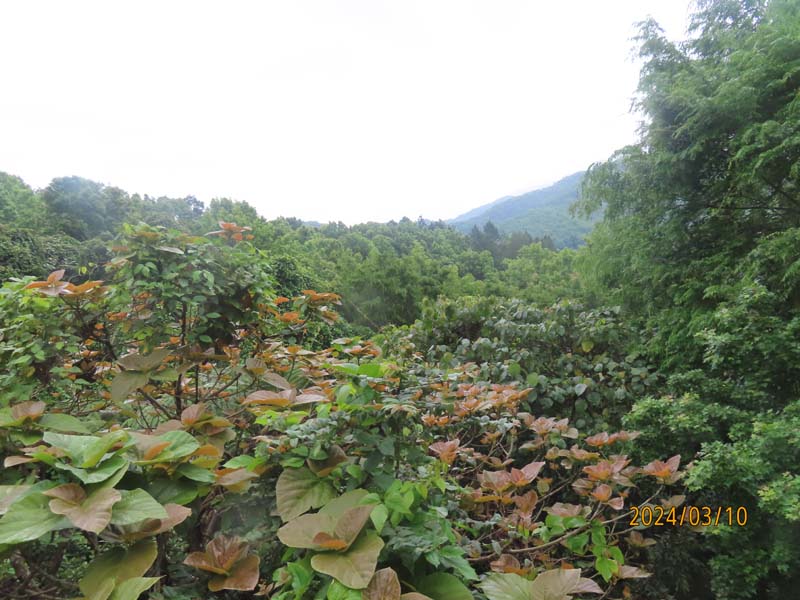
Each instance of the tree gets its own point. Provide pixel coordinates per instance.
(700, 244)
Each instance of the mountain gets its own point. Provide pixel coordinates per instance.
(541, 212)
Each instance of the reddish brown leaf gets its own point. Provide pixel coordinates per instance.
(27, 410)
(384, 585)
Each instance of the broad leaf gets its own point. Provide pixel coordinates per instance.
(28, 519)
(10, 494)
(443, 586)
(299, 490)
(355, 567)
(384, 585)
(170, 446)
(132, 588)
(126, 382)
(244, 576)
(103, 472)
(507, 586)
(135, 506)
(62, 422)
(119, 564)
(138, 362)
(90, 513)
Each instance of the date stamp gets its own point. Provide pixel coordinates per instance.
(692, 516)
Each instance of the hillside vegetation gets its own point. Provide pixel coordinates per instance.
(200, 403)
(541, 213)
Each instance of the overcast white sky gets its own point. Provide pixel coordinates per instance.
(350, 110)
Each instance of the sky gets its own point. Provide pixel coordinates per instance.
(325, 110)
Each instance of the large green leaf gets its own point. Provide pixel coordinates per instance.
(28, 519)
(443, 586)
(10, 494)
(135, 506)
(132, 588)
(126, 382)
(106, 470)
(196, 473)
(118, 564)
(72, 445)
(86, 451)
(355, 567)
(62, 422)
(175, 491)
(299, 490)
(556, 584)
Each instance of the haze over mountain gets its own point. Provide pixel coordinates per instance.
(542, 212)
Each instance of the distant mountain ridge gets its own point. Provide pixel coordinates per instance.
(540, 212)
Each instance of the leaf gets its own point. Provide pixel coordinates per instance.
(341, 504)
(132, 588)
(90, 513)
(321, 468)
(606, 567)
(556, 584)
(629, 572)
(168, 491)
(139, 362)
(587, 345)
(508, 586)
(443, 586)
(299, 490)
(10, 494)
(95, 452)
(336, 591)
(379, 515)
(106, 470)
(135, 506)
(587, 586)
(179, 445)
(171, 249)
(384, 585)
(580, 388)
(300, 532)
(355, 567)
(196, 473)
(270, 398)
(125, 382)
(27, 410)
(277, 381)
(62, 422)
(28, 519)
(119, 564)
(244, 576)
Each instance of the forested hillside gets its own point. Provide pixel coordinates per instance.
(541, 213)
(197, 402)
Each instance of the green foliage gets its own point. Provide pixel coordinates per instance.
(541, 214)
(174, 410)
(700, 245)
(575, 361)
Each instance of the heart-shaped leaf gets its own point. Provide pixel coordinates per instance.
(299, 490)
(90, 513)
(355, 567)
(384, 585)
(118, 564)
(135, 506)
